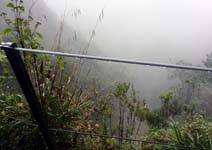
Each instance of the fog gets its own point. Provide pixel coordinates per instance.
(160, 30)
(163, 31)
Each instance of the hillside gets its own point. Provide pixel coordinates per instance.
(51, 25)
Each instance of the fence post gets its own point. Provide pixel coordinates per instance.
(25, 83)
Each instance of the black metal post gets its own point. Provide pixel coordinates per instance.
(25, 83)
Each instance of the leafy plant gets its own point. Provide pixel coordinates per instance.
(193, 133)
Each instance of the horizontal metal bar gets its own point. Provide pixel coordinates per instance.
(127, 61)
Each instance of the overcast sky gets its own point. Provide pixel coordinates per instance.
(149, 29)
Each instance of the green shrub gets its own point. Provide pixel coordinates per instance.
(194, 133)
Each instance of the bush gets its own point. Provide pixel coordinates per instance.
(193, 133)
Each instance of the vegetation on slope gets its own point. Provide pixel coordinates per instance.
(93, 119)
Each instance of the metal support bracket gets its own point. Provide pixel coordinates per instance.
(25, 83)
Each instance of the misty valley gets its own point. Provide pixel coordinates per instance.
(105, 75)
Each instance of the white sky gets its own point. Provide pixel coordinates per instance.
(149, 29)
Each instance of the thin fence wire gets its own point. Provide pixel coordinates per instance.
(165, 145)
(121, 138)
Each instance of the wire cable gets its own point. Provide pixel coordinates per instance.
(29, 123)
(121, 138)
